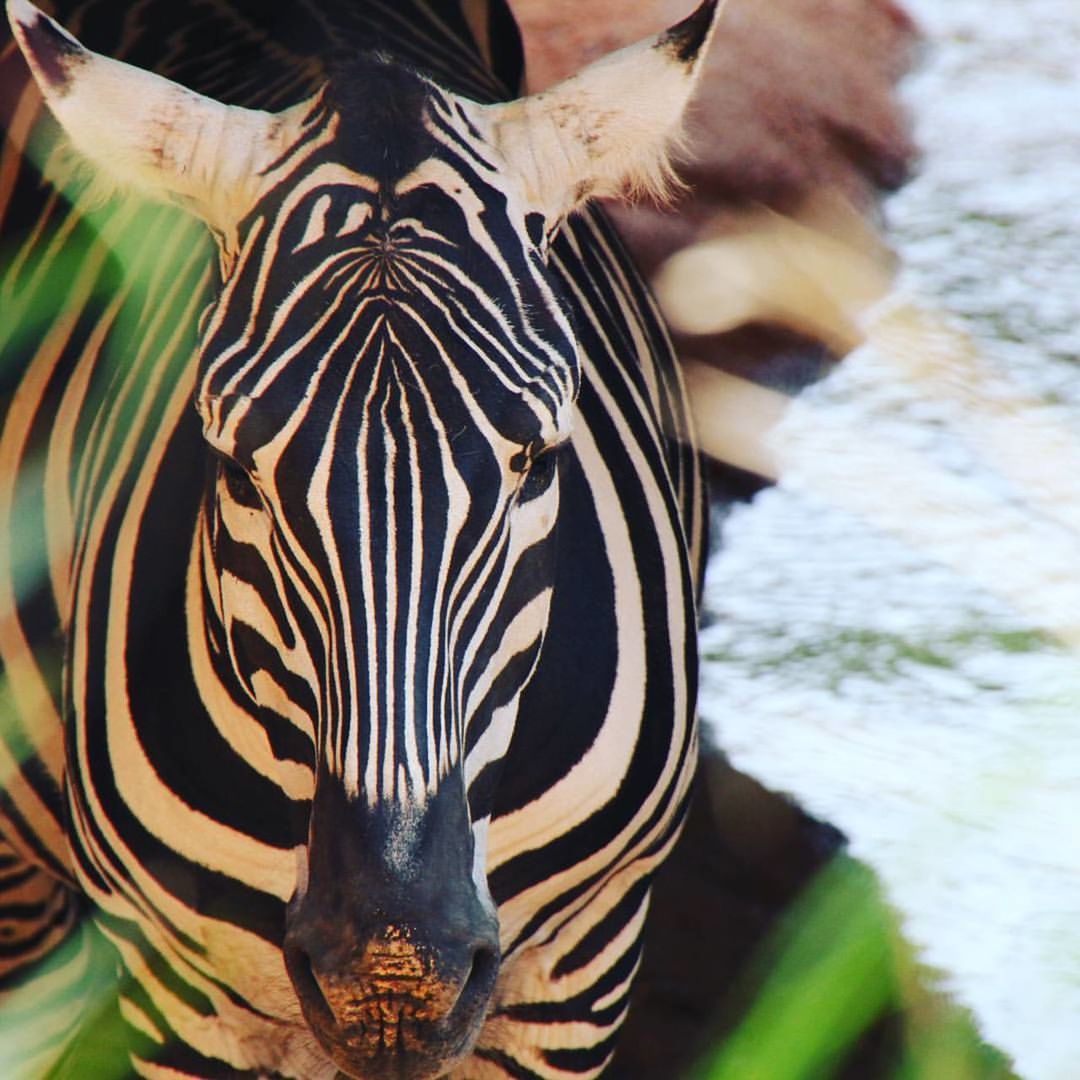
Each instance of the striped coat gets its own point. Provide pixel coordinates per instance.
(388, 640)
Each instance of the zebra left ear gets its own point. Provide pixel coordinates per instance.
(146, 133)
(608, 130)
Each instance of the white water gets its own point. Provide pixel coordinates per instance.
(898, 621)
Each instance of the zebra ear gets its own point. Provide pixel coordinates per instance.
(608, 130)
(145, 133)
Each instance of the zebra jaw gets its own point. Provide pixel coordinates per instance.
(605, 131)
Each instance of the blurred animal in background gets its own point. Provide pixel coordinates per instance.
(765, 260)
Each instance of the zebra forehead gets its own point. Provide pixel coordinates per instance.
(383, 105)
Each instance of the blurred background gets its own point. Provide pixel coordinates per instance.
(892, 606)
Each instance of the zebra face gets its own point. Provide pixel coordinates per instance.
(386, 383)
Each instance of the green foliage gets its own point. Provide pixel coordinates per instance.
(72, 989)
(837, 966)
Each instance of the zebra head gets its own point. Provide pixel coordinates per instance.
(385, 379)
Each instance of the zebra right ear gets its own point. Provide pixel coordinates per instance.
(607, 130)
(146, 133)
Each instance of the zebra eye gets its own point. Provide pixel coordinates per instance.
(539, 474)
(238, 483)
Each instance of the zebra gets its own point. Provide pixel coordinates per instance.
(356, 695)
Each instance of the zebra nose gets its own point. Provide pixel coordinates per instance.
(392, 940)
(404, 1005)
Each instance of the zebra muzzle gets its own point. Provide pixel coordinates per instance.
(395, 1009)
(391, 945)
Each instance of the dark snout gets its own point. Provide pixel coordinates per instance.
(392, 949)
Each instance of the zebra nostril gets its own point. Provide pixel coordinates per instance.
(479, 983)
(306, 985)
